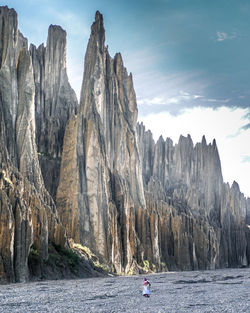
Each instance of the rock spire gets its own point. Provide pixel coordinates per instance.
(89, 173)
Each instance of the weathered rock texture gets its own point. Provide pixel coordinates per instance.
(132, 200)
(28, 215)
(11, 43)
(100, 185)
(201, 220)
(137, 204)
(55, 101)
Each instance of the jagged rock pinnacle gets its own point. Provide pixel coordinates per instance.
(203, 140)
(124, 196)
(214, 143)
(98, 31)
(235, 186)
(56, 41)
(55, 100)
(105, 130)
(56, 33)
(98, 16)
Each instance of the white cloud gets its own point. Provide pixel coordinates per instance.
(217, 100)
(155, 100)
(149, 81)
(154, 82)
(179, 98)
(223, 124)
(245, 158)
(221, 36)
(135, 60)
(198, 96)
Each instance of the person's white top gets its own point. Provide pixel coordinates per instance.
(146, 290)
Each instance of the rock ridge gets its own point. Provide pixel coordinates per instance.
(28, 215)
(192, 184)
(106, 159)
(153, 202)
(88, 173)
(55, 101)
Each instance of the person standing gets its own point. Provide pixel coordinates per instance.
(146, 288)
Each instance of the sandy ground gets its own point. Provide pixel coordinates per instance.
(199, 291)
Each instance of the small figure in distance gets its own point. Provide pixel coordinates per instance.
(146, 288)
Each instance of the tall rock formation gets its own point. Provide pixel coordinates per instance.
(137, 204)
(28, 218)
(11, 43)
(17, 92)
(204, 222)
(55, 101)
(173, 210)
(100, 181)
(27, 212)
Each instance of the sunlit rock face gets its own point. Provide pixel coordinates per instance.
(11, 43)
(17, 91)
(205, 219)
(28, 217)
(55, 101)
(27, 212)
(129, 199)
(98, 201)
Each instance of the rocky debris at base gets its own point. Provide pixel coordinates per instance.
(183, 292)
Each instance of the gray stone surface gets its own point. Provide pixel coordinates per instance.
(139, 205)
(55, 101)
(132, 200)
(27, 212)
(183, 292)
(11, 42)
(100, 184)
(206, 228)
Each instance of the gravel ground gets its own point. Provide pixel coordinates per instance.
(200, 291)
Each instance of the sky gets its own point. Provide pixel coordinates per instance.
(190, 61)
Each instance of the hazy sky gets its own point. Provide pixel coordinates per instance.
(190, 61)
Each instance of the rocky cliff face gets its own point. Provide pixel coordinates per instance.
(11, 43)
(136, 201)
(28, 215)
(97, 202)
(139, 205)
(187, 181)
(28, 218)
(55, 101)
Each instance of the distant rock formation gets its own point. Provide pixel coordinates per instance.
(204, 230)
(92, 174)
